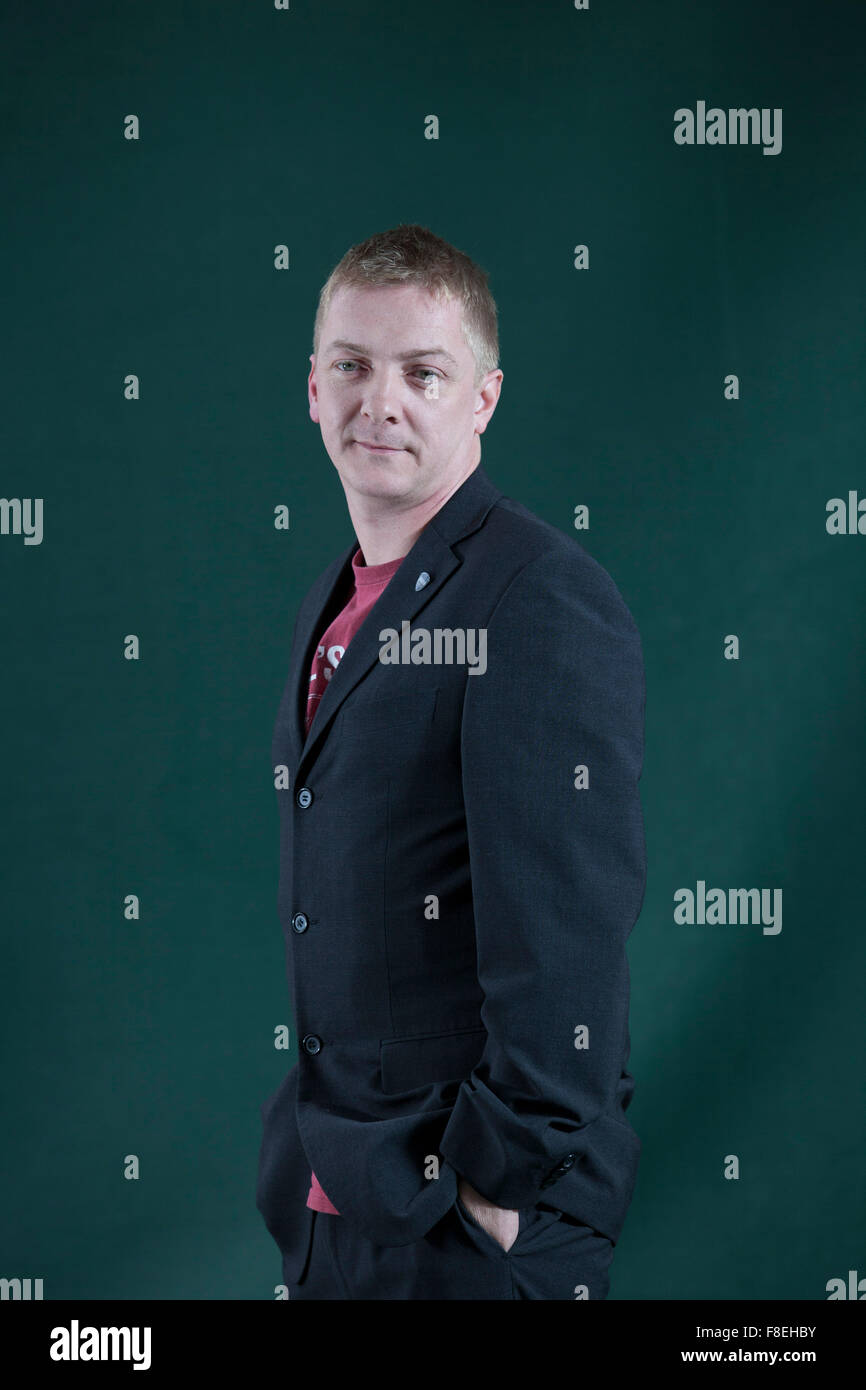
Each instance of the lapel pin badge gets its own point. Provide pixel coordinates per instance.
(422, 581)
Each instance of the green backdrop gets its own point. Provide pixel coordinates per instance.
(155, 257)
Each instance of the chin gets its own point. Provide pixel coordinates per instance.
(380, 487)
(376, 476)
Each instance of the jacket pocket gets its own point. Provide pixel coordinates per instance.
(407, 1063)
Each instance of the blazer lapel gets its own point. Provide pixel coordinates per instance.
(310, 626)
(425, 569)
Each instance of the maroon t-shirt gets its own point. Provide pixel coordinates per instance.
(370, 580)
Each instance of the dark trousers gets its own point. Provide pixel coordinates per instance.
(553, 1257)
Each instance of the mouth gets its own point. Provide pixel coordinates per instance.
(376, 448)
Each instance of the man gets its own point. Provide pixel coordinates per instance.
(456, 756)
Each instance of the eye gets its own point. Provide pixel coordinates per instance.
(345, 363)
(428, 372)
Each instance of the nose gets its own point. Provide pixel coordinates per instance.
(380, 395)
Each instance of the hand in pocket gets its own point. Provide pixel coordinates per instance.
(502, 1224)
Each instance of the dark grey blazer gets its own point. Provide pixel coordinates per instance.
(455, 908)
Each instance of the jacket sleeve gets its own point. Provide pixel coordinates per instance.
(558, 873)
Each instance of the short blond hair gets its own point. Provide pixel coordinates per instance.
(409, 254)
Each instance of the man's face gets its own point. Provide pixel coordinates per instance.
(393, 369)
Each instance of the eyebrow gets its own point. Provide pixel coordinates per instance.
(401, 356)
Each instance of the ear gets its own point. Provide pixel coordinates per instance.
(488, 396)
(312, 393)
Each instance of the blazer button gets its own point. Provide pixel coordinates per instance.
(304, 797)
(311, 1044)
(300, 922)
(560, 1170)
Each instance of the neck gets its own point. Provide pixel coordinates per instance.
(387, 531)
